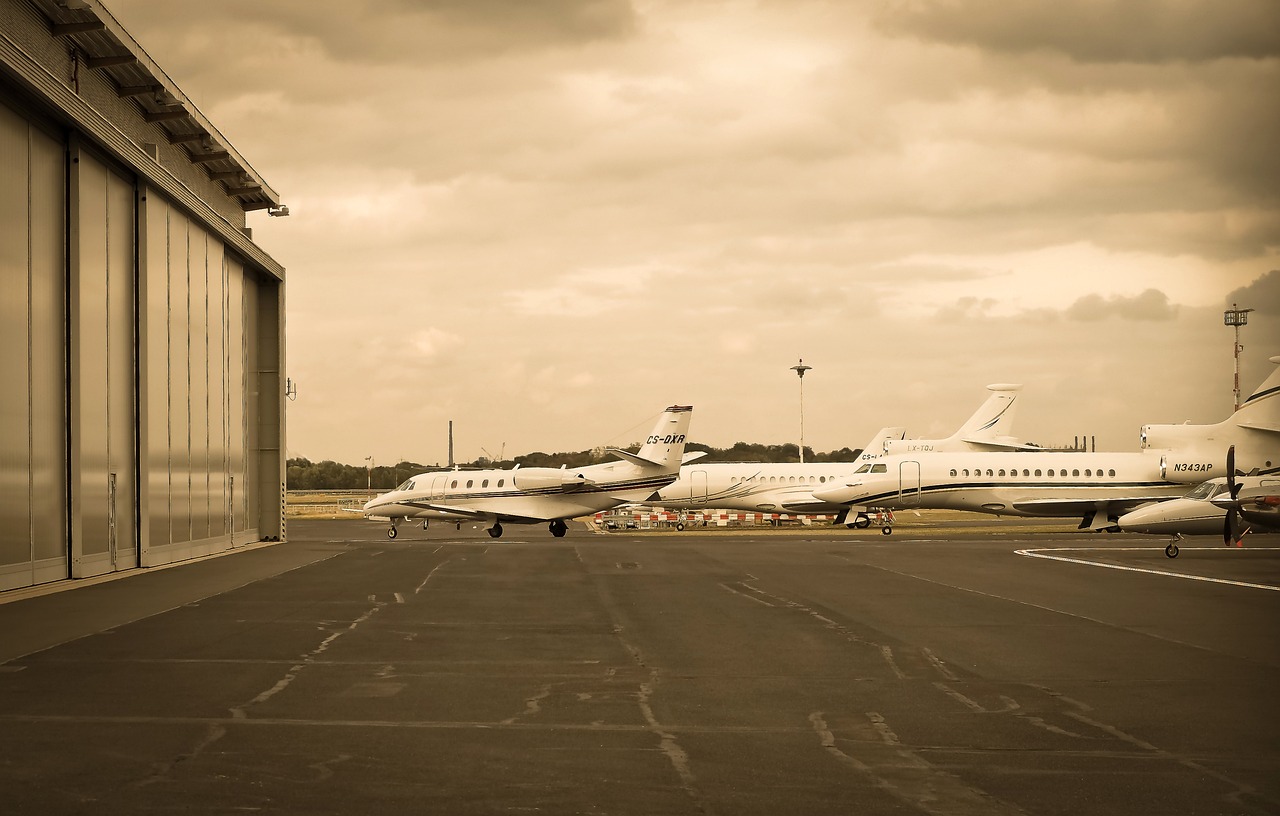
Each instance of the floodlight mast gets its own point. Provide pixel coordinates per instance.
(800, 369)
(1236, 317)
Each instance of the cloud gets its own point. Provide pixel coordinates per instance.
(499, 203)
(1151, 305)
(1142, 31)
(1263, 295)
(966, 308)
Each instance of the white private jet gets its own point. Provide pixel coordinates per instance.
(1096, 487)
(535, 495)
(1215, 507)
(789, 487)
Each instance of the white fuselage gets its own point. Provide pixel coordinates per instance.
(1019, 484)
(769, 487)
(517, 495)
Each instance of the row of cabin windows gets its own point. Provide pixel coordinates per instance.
(471, 483)
(1089, 473)
(780, 479)
(453, 485)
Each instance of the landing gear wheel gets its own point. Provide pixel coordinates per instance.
(1171, 550)
(861, 522)
(558, 528)
(679, 526)
(495, 531)
(391, 532)
(886, 530)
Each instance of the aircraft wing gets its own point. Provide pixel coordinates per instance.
(1000, 445)
(1078, 507)
(809, 506)
(451, 509)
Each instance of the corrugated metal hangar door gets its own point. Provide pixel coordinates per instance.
(104, 460)
(33, 469)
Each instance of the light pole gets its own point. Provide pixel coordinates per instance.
(800, 369)
(368, 475)
(1237, 317)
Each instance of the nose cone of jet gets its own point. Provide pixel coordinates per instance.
(840, 493)
(371, 504)
(1185, 516)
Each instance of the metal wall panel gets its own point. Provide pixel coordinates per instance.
(218, 507)
(33, 484)
(179, 379)
(252, 403)
(90, 335)
(121, 363)
(156, 445)
(238, 483)
(104, 426)
(199, 332)
(15, 425)
(48, 357)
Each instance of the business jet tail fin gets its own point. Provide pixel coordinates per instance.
(994, 418)
(664, 447)
(875, 447)
(1261, 411)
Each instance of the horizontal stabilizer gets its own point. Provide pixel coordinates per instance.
(1258, 426)
(692, 456)
(1000, 445)
(633, 458)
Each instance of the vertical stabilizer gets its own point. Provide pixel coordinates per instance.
(994, 419)
(664, 446)
(877, 445)
(1261, 410)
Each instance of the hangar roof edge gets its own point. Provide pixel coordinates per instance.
(109, 48)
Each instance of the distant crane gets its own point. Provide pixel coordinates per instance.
(501, 453)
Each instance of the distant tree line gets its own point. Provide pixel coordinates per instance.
(303, 474)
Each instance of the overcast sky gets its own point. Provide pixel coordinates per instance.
(548, 219)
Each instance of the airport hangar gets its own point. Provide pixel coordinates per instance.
(142, 330)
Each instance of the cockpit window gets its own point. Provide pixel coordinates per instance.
(879, 468)
(406, 486)
(1207, 490)
(863, 469)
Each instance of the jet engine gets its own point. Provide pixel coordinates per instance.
(545, 478)
(1188, 468)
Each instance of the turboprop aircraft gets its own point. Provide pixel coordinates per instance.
(1096, 487)
(1216, 507)
(789, 487)
(535, 495)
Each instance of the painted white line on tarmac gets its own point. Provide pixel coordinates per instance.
(1044, 553)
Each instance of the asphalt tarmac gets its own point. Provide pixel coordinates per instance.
(936, 671)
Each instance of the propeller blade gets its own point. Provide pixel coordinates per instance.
(1231, 472)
